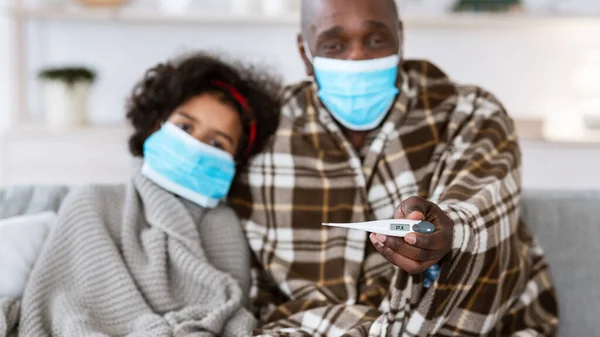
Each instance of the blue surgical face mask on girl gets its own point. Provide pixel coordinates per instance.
(358, 94)
(187, 167)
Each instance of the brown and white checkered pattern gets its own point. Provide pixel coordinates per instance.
(453, 145)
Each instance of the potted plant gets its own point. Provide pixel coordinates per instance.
(66, 94)
(104, 3)
(487, 5)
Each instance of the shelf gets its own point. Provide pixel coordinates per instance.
(566, 131)
(529, 129)
(37, 154)
(148, 16)
(569, 131)
(34, 131)
(153, 16)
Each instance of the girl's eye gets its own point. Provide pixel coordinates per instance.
(217, 144)
(185, 127)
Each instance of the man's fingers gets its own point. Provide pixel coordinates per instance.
(416, 215)
(417, 251)
(419, 254)
(409, 265)
(434, 241)
(398, 246)
(430, 242)
(412, 205)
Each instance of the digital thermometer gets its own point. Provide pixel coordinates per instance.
(392, 227)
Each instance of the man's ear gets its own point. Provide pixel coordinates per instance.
(400, 50)
(401, 40)
(307, 64)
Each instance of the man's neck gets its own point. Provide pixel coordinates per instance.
(356, 138)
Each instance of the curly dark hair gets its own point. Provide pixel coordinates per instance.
(168, 85)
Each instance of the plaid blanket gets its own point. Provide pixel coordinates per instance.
(454, 145)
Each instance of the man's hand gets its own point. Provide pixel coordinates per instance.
(416, 251)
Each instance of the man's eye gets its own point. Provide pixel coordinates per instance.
(376, 41)
(333, 47)
(185, 127)
(217, 144)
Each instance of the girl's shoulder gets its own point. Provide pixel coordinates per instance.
(221, 230)
(222, 215)
(94, 196)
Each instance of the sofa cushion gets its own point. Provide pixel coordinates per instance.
(567, 224)
(23, 200)
(21, 240)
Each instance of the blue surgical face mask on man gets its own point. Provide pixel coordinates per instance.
(358, 94)
(187, 167)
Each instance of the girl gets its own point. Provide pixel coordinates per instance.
(161, 255)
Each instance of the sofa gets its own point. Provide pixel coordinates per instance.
(567, 224)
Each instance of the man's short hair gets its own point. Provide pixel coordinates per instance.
(307, 12)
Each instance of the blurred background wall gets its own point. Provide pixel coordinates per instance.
(531, 56)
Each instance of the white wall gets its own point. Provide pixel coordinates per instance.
(6, 102)
(530, 67)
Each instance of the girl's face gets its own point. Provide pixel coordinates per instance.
(210, 121)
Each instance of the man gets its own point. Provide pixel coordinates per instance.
(378, 137)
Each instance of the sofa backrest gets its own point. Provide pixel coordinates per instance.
(567, 224)
(23, 200)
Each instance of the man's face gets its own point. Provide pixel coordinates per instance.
(351, 30)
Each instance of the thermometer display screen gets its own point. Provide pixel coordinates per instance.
(396, 227)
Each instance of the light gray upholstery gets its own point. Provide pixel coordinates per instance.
(567, 224)
(23, 200)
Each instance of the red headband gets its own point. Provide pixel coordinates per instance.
(244, 103)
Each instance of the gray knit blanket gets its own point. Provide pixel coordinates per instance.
(126, 262)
